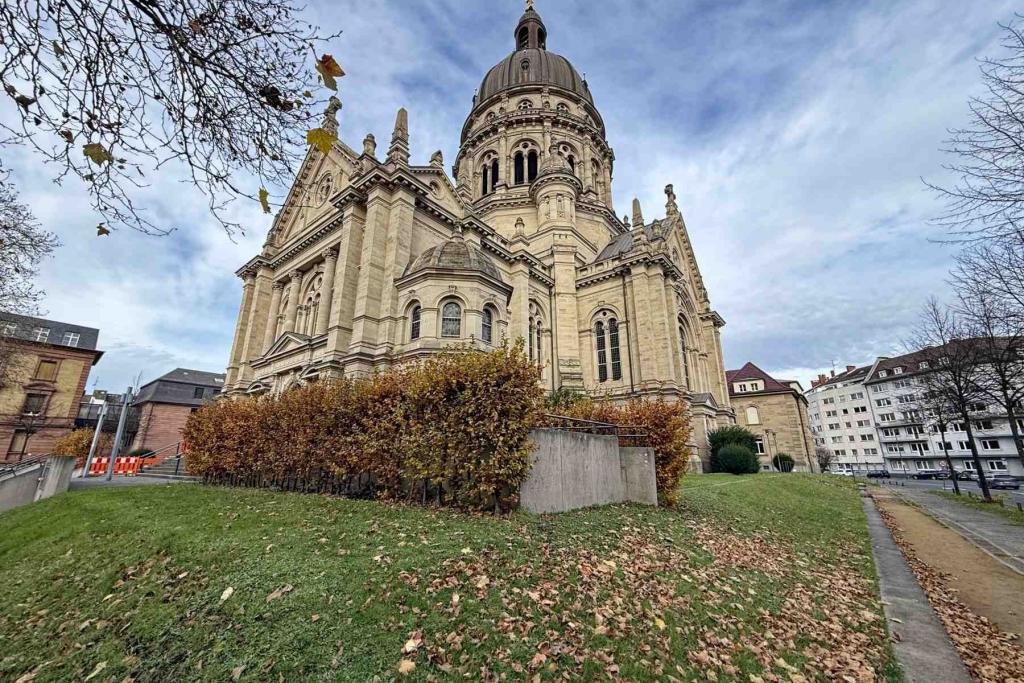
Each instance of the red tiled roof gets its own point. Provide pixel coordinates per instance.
(751, 371)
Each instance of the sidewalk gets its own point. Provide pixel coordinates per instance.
(993, 534)
(922, 645)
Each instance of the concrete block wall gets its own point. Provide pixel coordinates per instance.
(37, 482)
(571, 471)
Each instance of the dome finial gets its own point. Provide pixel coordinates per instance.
(531, 33)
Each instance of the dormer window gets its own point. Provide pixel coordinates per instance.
(923, 365)
(897, 371)
(883, 373)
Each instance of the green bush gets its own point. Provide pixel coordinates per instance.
(452, 429)
(730, 435)
(736, 459)
(783, 462)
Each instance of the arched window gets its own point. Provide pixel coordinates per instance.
(613, 348)
(602, 354)
(451, 320)
(414, 323)
(572, 163)
(486, 174)
(536, 340)
(685, 353)
(312, 311)
(523, 40)
(753, 417)
(487, 325)
(525, 104)
(531, 166)
(494, 174)
(520, 168)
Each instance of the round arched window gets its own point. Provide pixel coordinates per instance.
(451, 320)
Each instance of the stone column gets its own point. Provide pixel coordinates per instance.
(326, 291)
(258, 318)
(249, 281)
(293, 301)
(275, 314)
(566, 315)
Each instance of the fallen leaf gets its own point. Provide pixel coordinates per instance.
(95, 672)
(406, 667)
(278, 593)
(228, 592)
(236, 673)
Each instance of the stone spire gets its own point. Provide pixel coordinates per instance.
(638, 215)
(437, 159)
(399, 150)
(330, 122)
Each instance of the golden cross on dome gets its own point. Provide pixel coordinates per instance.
(529, 4)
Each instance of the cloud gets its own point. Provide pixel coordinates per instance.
(795, 132)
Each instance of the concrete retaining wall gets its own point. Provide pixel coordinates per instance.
(571, 471)
(37, 482)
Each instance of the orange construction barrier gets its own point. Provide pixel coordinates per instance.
(126, 465)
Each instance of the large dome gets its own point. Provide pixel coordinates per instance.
(455, 254)
(533, 66)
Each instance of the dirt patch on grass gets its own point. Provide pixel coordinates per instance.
(984, 585)
(977, 599)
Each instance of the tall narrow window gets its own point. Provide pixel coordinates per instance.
(520, 168)
(487, 326)
(602, 353)
(532, 351)
(487, 181)
(540, 343)
(414, 323)
(494, 175)
(524, 38)
(531, 166)
(451, 320)
(613, 347)
(47, 370)
(572, 164)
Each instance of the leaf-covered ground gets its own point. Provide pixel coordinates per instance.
(766, 578)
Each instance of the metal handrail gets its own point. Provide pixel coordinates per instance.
(24, 464)
(594, 427)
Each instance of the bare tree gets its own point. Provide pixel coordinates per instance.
(23, 246)
(825, 458)
(987, 201)
(113, 91)
(933, 402)
(999, 333)
(994, 270)
(952, 359)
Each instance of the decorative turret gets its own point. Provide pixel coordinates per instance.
(671, 208)
(531, 34)
(638, 214)
(398, 153)
(330, 121)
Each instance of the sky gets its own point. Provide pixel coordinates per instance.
(796, 133)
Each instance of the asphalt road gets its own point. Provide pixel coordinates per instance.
(1012, 497)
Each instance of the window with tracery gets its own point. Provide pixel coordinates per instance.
(415, 319)
(487, 325)
(607, 346)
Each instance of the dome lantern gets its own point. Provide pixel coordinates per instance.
(531, 34)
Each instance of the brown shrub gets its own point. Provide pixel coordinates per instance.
(77, 444)
(668, 430)
(456, 424)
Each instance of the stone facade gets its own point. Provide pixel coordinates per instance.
(376, 260)
(775, 411)
(51, 365)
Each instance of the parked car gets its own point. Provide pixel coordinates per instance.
(966, 475)
(943, 474)
(1004, 481)
(926, 474)
(879, 474)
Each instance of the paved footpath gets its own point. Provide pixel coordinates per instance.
(922, 646)
(994, 534)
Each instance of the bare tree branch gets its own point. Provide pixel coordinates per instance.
(111, 90)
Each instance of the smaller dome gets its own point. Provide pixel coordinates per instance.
(455, 254)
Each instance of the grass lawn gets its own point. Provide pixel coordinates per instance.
(997, 507)
(765, 578)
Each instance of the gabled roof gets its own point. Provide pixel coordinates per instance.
(752, 372)
(88, 337)
(179, 387)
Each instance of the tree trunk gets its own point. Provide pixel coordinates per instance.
(982, 481)
(949, 461)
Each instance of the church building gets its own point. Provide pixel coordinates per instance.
(375, 260)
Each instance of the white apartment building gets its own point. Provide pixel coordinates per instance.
(870, 418)
(842, 421)
(911, 442)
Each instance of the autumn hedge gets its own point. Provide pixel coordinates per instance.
(453, 429)
(78, 442)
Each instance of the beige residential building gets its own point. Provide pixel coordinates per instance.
(374, 259)
(775, 411)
